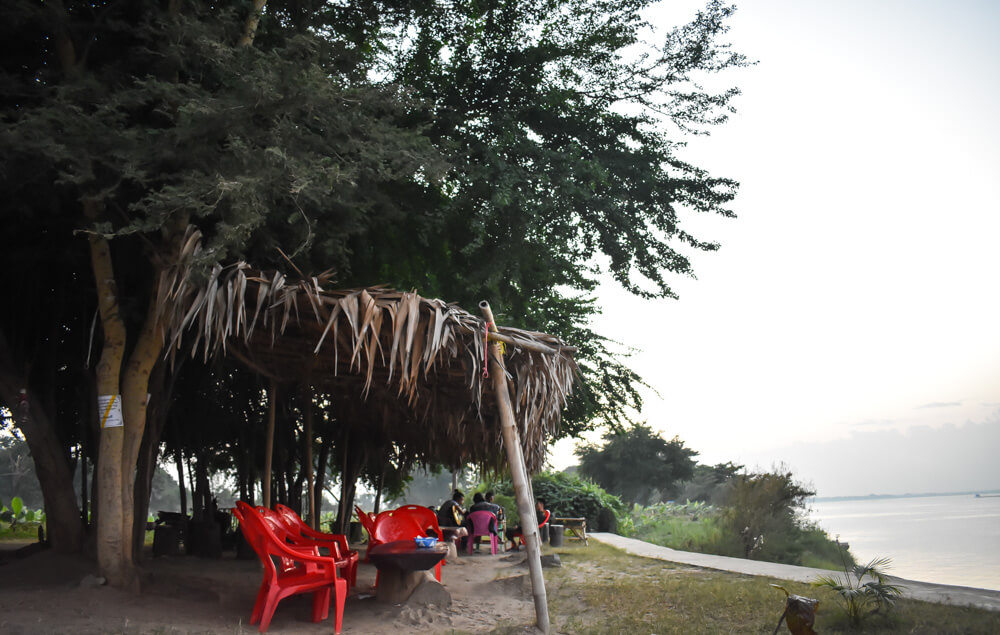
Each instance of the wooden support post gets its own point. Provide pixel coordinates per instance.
(272, 409)
(518, 473)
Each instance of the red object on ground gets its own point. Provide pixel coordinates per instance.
(305, 532)
(301, 570)
(481, 527)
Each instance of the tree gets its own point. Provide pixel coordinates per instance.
(637, 464)
(763, 509)
(708, 483)
(148, 117)
(562, 128)
(507, 150)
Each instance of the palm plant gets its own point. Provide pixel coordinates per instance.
(865, 589)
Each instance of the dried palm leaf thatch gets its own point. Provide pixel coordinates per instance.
(375, 346)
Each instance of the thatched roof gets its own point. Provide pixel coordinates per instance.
(409, 368)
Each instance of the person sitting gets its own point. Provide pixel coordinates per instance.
(513, 533)
(493, 507)
(451, 513)
(479, 504)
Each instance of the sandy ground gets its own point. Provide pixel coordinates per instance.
(49, 593)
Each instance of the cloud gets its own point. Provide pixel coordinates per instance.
(941, 404)
(873, 423)
(917, 459)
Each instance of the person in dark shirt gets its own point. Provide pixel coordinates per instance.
(512, 533)
(451, 513)
(496, 509)
(480, 504)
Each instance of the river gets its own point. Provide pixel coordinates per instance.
(948, 539)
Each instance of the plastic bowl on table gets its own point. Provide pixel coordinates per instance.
(425, 541)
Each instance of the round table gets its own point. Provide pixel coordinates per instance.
(402, 567)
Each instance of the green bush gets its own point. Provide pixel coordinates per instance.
(864, 590)
(764, 520)
(568, 495)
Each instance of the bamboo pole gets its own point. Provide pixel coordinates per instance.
(528, 345)
(272, 408)
(518, 473)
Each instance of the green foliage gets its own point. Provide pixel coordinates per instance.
(691, 526)
(563, 154)
(16, 507)
(782, 534)
(637, 464)
(708, 483)
(24, 521)
(512, 150)
(864, 590)
(763, 509)
(571, 496)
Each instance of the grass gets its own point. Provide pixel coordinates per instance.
(704, 535)
(20, 531)
(704, 529)
(600, 590)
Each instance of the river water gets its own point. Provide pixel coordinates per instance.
(945, 539)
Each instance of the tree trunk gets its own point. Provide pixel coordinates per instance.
(179, 462)
(307, 407)
(135, 398)
(112, 560)
(324, 455)
(353, 460)
(65, 531)
(272, 398)
(191, 486)
(149, 452)
(378, 489)
(250, 26)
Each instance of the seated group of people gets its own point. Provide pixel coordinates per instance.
(452, 514)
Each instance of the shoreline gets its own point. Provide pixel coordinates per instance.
(979, 493)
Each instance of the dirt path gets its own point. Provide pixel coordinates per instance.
(926, 591)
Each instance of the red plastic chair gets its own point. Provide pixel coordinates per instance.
(391, 526)
(424, 517)
(369, 524)
(481, 522)
(305, 532)
(301, 570)
(540, 525)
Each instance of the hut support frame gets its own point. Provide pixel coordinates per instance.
(518, 473)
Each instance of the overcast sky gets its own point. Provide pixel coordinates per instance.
(853, 312)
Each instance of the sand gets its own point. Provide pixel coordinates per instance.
(49, 593)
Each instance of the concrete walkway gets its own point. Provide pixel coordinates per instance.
(926, 591)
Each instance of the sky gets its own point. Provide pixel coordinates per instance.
(849, 326)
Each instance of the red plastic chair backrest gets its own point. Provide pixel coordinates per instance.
(250, 531)
(366, 521)
(390, 526)
(481, 522)
(277, 524)
(258, 534)
(425, 518)
(292, 526)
